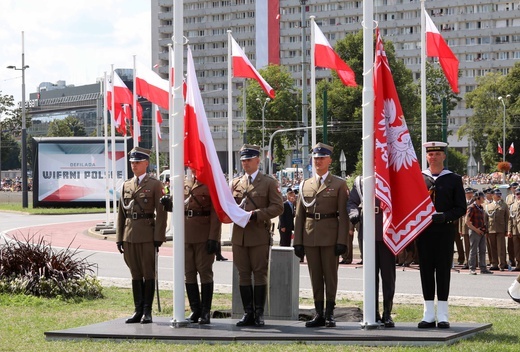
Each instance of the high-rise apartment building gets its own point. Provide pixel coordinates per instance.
(484, 35)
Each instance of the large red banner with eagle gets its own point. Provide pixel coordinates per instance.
(405, 202)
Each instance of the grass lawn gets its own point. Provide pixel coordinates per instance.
(25, 319)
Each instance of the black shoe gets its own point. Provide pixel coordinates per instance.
(147, 317)
(344, 261)
(493, 268)
(247, 320)
(388, 322)
(465, 267)
(425, 325)
(360, 263)
(319, 320)
(135, 318)
(221, 259)
(443, 325)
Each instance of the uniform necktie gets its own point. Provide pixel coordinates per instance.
(249, 180)
(321, 181)
(137, 181)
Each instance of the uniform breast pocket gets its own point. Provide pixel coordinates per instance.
(146, 200)
(204, 199)
(329, 194)
(260, 198)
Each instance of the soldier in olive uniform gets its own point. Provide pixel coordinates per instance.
(202, 229)
(511, 251)
(496, 215)
(202, 233)
(259, 194)
(463, 228)
(321, 232)
(140, 231)
(514, 228)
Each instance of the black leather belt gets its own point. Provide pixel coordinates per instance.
(319, 216)
(136, 216)
(191, 213)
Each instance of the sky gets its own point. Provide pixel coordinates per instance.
(71, 40)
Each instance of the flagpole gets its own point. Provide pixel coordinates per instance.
(155, 110)
(369, 262)
(134, 109)
(177, 164)
(424, 137)
(313, 84)
(230, 112)
(113, 147)
(107, 173)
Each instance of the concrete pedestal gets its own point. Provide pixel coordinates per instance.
(284, 287)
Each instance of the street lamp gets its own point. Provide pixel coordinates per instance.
(267, 100)
(504, 126)
(24, 132)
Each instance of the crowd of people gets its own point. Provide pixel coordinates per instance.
(14, 184)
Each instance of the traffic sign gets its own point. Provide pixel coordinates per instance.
(297, 161)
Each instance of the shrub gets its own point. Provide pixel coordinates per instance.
(31, 266)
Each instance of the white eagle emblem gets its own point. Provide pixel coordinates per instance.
(400, 152)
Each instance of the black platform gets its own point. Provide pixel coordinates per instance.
(222, 331)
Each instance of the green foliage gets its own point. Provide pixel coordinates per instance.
(68, 127)
(31, 266)
(282, 112)
(456, 161)
(10, 130)
(486, 127)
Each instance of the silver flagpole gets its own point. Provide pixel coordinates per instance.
(369, 262)
(177, 166)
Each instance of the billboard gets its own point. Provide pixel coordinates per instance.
(70, 171)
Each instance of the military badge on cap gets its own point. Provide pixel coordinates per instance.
(139, 154)
(249, 151)
(435, 146)
(321, 150)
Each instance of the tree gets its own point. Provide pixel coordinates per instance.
(10, 129)
(284, 111)
(68, 127)
(438, 89)
(486, 127)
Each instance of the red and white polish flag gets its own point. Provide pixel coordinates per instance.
(200, 153)
(399, 184)
(325, 56)
(499, 149)
(242, 67)
(151, 86)
(158, 121)
(511, 149)
(436, 47)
